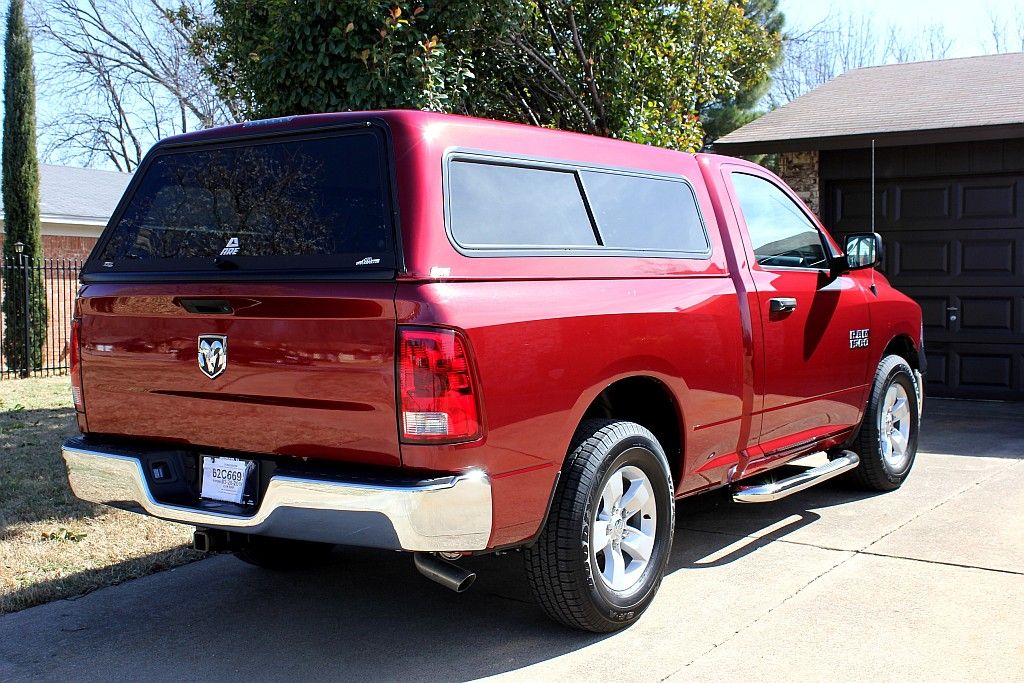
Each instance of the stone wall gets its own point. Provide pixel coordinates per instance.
(64, 247)
(800, 171)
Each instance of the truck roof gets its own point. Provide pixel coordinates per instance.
(432, 124)
(422, 144)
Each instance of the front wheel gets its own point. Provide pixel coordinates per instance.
(600, 558)
(887, 440)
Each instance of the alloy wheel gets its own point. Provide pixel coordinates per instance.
(624, 529)
(894, 427)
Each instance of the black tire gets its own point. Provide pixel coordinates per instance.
(282, 554)
(562, 572)
(875, 472)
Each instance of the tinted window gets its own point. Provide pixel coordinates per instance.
(635, 212)
(493, 205)
(313, 202)
(780, 233)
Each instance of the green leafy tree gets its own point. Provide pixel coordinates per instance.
(729, 113)
(21, 196)
(641, 70)
(280, 57)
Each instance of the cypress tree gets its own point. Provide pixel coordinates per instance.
(21, 197)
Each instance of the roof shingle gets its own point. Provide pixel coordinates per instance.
(79, 193)
(893, 100)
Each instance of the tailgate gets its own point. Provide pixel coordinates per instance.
(307, 370)
(242, 298)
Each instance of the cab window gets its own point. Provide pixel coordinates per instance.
(780, 233)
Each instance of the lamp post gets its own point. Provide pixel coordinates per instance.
(19, 249)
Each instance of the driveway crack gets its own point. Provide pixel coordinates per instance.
(764, 614)
(944, 501)
(851, 554)
(940, 562)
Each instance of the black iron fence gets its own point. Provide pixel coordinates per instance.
(35, 336)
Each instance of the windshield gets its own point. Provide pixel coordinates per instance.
(306, 203)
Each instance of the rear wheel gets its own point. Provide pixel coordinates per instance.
(600, 558)
(282, 553)
(887, 440)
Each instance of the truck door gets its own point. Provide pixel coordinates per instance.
(815, 327)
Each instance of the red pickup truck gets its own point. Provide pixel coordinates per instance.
(451, 336)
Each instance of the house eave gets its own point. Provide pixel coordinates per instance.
(67, 226)
(881, 138)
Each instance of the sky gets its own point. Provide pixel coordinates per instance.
(966, 22)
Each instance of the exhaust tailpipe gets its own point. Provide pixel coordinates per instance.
(448, 574)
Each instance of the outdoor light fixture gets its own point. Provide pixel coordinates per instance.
(19, 247)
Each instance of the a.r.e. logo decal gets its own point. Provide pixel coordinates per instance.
(859, 339)
(231, 248)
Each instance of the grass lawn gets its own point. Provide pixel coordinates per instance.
(53, 545)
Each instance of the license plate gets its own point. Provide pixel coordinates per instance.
(229, 479)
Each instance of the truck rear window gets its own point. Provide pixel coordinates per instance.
(321, 203)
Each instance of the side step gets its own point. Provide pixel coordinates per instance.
(767, 493)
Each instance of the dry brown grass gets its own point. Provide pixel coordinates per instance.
(53, 545)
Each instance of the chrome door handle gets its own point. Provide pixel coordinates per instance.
(782, 305)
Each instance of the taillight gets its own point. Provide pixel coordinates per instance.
(435, 386)
(75, 364)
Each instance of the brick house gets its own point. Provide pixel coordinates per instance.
(75, 205)
(949, 197)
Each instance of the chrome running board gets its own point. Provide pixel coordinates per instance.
(776, 490)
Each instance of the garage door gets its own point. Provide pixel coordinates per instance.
(955, 243)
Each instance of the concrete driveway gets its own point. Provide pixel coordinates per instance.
(926, 583)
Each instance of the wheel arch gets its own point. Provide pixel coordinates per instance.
(903, 346)
(649, 402)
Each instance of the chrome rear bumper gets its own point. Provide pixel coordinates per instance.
(450, 513)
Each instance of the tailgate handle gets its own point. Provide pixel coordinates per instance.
(206, 306)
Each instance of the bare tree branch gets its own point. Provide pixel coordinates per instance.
(126, 74)
(1007, 33)
(565, 85)
(588, 71)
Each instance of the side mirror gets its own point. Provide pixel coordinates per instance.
(863, 250)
